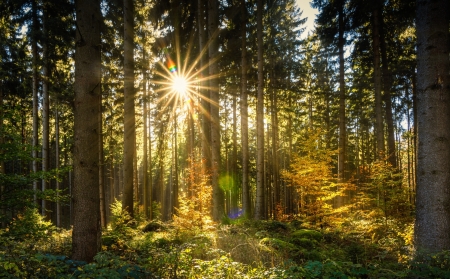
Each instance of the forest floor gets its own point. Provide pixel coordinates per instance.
(197, 248)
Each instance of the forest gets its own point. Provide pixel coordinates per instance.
(221, 139)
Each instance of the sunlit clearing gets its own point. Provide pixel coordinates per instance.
(180, 85)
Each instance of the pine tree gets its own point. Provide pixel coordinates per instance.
(86, 206)
(433, 100)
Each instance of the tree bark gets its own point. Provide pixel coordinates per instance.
(387, 84)
(58, 186)
(129, 115)
(246, 205)
(86, 241)
(342, 97)
(260, 209)
(377, 83)
(145, 134)
(213, 28)
(433, 108)
(204, 94)
(45, 109)
(34, 50)
(101, 180)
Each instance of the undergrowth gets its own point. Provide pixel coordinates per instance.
(356, 248)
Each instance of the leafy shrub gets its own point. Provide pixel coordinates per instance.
(436, 265)
(29, 225)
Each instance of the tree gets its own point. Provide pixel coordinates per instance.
(377, 80)
(34, 52)
(86, 204)
(246, 205)
(129, 111)
(433, 107)
(213, 28)
(260, 210)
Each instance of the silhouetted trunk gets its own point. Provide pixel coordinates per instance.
(128, 116)
(260, 209)
(246, 205)
(145, 183)
(58, 186)
(101, 167)
(86, 241)
(213, 28)
(204, 94)
(387, 84)
(45, 109)
(34, 50)
(342, 97)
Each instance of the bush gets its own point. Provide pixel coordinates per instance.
(29, 225)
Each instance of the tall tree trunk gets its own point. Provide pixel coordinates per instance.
(45, 108)
(275, 167)
(260, 177)
(34, 50)
(86, 234)
(150, 174)
(246, 205)
(234, 160)
(101, 166)
(387, 84)
(2, 163)
(175, 203)
(342, 123)
(58, 186)
(204, 94)
(377, 83)
(213, 28)
(145, 116)
(433, 100)
(128, 116)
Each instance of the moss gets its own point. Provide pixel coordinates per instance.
(277, 244)
(304, 243)
(307, 234)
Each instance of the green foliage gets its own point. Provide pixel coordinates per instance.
(251, 249)
(120, 218)
(427, 265)
(384, 192)
(29, 224)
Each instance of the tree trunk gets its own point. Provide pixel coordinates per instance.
(101, 166)
(204, 94)
(342, 124)
(2, 163)
(260, 177)
(34, 50)
(128, 116)
(150, 174)
(175, 203)
(387, 84)
(58, 186)
(377, 83)
(234, 160)
(213, 28)
(433, 100)
(86, 234)
(246, 205)
(145, 116)
(45, 109)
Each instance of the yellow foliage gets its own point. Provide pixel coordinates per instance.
(311, 175)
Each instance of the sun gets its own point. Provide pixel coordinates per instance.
(180, 84)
